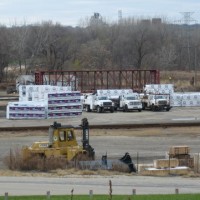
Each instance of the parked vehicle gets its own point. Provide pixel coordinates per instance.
(96, 102)
(129, 102)
(156, 102)
(62, 143)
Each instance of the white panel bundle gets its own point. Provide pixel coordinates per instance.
(115, 93)
(37, 92)
(185, 99)
(26, 92)
(159, 88)
(26, 110)
(67, 104)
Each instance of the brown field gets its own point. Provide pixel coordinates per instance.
(182, 80)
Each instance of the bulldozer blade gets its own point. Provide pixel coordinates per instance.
(123, 164)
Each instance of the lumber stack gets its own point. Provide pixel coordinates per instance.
(182, 153)
(166, 163)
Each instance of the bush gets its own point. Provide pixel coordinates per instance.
(14, 161)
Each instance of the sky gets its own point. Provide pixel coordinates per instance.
(74, 12)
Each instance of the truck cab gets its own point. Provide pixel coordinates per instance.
(130, 102)
(98, 103)
(156, 102)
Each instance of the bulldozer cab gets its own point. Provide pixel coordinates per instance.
(61, 136)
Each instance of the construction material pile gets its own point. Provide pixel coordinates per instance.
(182, 154)
(178, 161)
(159, 89)
(45, 101)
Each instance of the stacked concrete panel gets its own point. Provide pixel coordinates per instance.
(26, 110)
(159, 88)
(38, 92)
(185, 99)
(114, 93)
(45, 101)
(60, 105)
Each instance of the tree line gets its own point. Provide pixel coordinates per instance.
(128, 44)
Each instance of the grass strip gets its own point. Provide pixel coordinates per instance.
(107, 197)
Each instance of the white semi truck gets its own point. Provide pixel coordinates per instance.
(156, 102)
(97, 102)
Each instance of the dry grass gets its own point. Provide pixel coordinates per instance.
(136, 132)
(181, 80)
(58, 166)
(15, 161)
(192, 174)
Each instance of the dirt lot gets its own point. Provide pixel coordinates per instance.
(150, 144)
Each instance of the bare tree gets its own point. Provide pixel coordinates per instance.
(4, 50)
(142, 44)
(18, 45)
(94, 55)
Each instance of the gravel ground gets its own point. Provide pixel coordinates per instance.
(149, 144)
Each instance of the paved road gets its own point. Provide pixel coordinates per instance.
(183, 114)
(99, 185)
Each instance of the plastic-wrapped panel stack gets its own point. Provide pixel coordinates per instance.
(114, 93)
(159, 88)
(46, 89)
(37, 92)
(26, 110)
(45, 101)
(185, 99)
(67, 104)
(26, 91)
(176, 100)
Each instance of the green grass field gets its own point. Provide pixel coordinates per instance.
(107, 197)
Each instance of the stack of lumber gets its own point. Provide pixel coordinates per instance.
(182, 153)
(165, 163)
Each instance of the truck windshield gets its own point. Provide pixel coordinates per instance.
(102, 98)
(160, 97)
(131, 98)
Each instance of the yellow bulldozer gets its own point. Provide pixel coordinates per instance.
(62, 144)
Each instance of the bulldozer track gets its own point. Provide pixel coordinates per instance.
(112, 126)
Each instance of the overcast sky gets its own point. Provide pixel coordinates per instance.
(71, 12)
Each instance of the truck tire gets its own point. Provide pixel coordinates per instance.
(88, 108)
(143, 106)
(153, 108)
(112, 110)
(125, 108)
(139, 110)
(167, 109)
(99, 110)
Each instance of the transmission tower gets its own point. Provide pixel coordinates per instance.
(186, 22)
(187, 17)
(119, 16)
